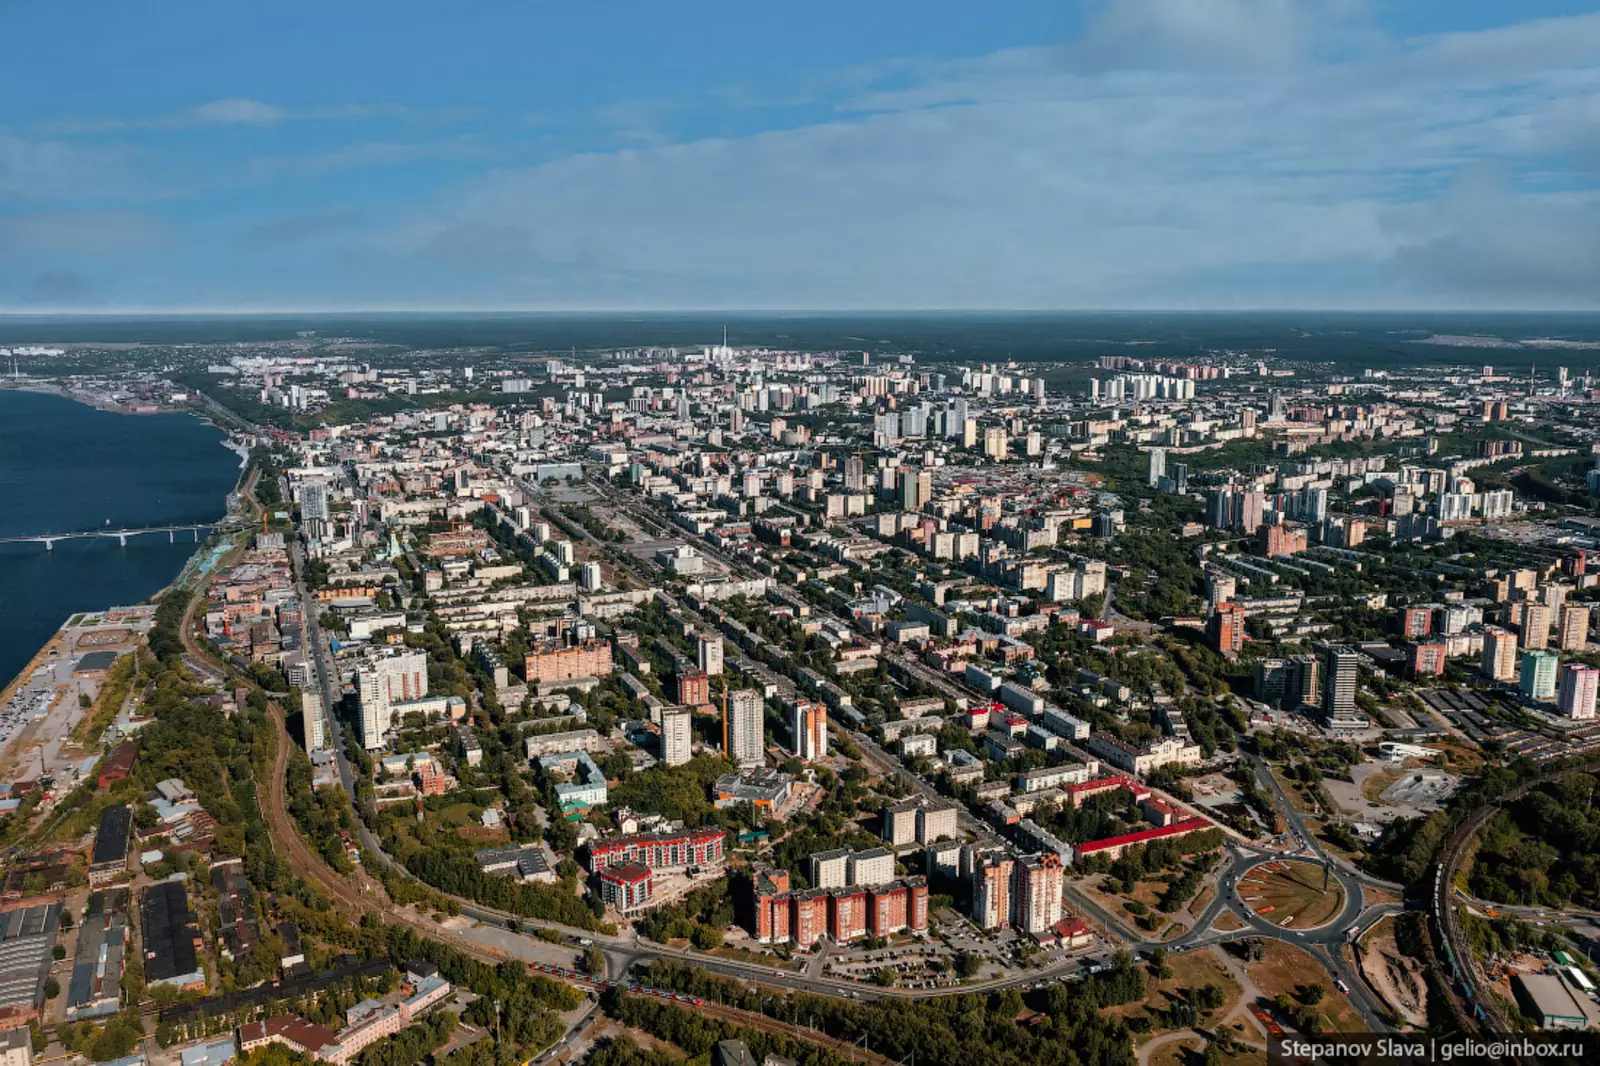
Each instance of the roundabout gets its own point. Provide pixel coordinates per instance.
(1291, 893)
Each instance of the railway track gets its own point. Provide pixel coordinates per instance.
(1472, 1003)
(311, 866)
(735, 1015)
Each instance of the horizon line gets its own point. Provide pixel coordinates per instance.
(774, 311)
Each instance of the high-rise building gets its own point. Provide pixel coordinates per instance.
(1538, 675)
(916, 488)
(1425, 660)
(900, 822)
(1287, 683)
(1535, 625)
(384, 680)
(742, 739)
(969, 433)
(675, 736)
(691, 687)
(809, 722)
(1499, 654)
(1579, 685)
(1341, 667)
(1574, 630)
(1158, 466)
(853, 478)
(991, 890)
(1226, 629)
(1416, 622)
(314, 515)
(316, 724)
(1036, 896)
(710, 654)
(995, 443)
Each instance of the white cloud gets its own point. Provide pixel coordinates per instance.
(1233, 146)
(231, 111)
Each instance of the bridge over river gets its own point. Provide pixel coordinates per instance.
(49, 539)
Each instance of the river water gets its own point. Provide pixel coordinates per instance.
(66, 467)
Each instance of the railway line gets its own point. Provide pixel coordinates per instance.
(1472, 1003)
(735, 1015)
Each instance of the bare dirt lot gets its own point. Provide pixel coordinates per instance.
(1396, 978)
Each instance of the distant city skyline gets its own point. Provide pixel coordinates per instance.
(1120, 154)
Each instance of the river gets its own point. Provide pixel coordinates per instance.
(66, 467)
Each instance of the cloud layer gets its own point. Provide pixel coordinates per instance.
(1178, 153)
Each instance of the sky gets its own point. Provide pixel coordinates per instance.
(864, 155)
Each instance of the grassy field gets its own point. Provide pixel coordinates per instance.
(1189, 970)
(1287, 970)
(1291, 894)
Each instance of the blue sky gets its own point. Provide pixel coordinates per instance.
(866, 155)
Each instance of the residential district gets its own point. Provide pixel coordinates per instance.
(789, 706)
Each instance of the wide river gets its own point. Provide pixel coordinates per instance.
(66, 467)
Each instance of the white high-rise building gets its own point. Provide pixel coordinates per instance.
(384, 680)
(675, 736)
(710, 654)
(316, 724)
(1158, 466)
(742, 734)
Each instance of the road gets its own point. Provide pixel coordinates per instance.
(622, 952)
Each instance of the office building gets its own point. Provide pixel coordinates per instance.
(1341, 668)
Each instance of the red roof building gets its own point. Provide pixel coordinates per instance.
(659, 851)
(117, 765)
(1112, 847)
(1077, 793)
(626, 886)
